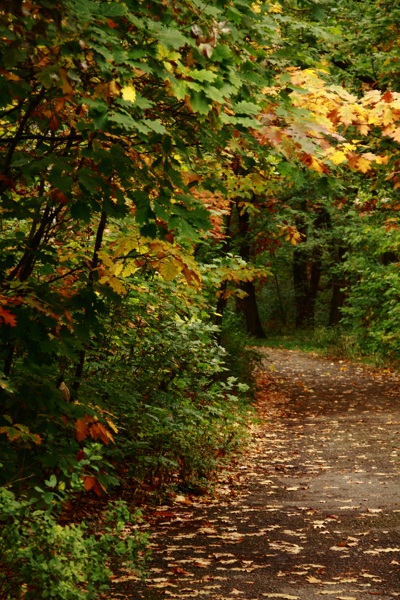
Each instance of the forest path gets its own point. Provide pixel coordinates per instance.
(317, 511)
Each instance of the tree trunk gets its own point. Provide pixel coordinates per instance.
(250, 309)
(307, 267)
(249, 302)
(222, 301)
(338, 295)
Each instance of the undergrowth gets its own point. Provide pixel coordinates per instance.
(41, 558)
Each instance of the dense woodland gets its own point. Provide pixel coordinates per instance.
(177, 178)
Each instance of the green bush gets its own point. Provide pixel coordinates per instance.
(178, 407)
(40, 558)
(240, 355)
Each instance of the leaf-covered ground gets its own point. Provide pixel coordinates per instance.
(312, 512)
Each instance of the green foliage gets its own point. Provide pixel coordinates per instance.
(166, 384)
(240, 357)
(103, 108)
(372, 310)
(41, 558)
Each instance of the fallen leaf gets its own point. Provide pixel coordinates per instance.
(201, 562)
(312, 579)
(207, 530)
(381, 550)
(285, 596)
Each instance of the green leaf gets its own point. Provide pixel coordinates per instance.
(246, 108)
(199, 103)
(52, 482)
(48, 497)
(81, 211)
(171, 38)
(215, 94)
(203, 75)
(179, 87)
(155, 126)
(113, 9)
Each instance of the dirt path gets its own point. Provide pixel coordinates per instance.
(317, 513)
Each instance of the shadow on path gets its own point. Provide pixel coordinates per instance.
(317, 512)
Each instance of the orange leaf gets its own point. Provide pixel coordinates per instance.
(387, 96)
(91, 483)
(7, 318)
(97, 430)
(82, 430)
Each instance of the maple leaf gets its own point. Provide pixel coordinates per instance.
(7, 318)
(393, 132)
(346, 114)
(388, 96)
(168, 269)
(363, 128)
(337, 157)
(128, 93)
(312, 163)
(363, 165)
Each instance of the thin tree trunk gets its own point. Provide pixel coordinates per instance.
(249, 302)
(93, 266)
(222, 301)
(281, 307)
(338, 294)
(253, 321)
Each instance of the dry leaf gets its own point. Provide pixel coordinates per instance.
(284, 596)
(312, 579)
(207, 530)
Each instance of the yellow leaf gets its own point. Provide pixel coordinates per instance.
(129, 270)
(363, 128)
(66, 86)
(168, 269)
(394, 134)
(117, 270)
(337, 157)
(295, 238)
(116, 285)
(387, 116)
(346, 114)
(114, 88)
(312, 579)
(374, 117)
(363, 165)
(275, 8)
(316, 165)
(382, 160)
(129, 93)
(112, 425)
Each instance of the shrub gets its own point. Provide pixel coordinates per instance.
(40, 558)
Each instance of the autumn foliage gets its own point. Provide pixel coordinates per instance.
(152, 160)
